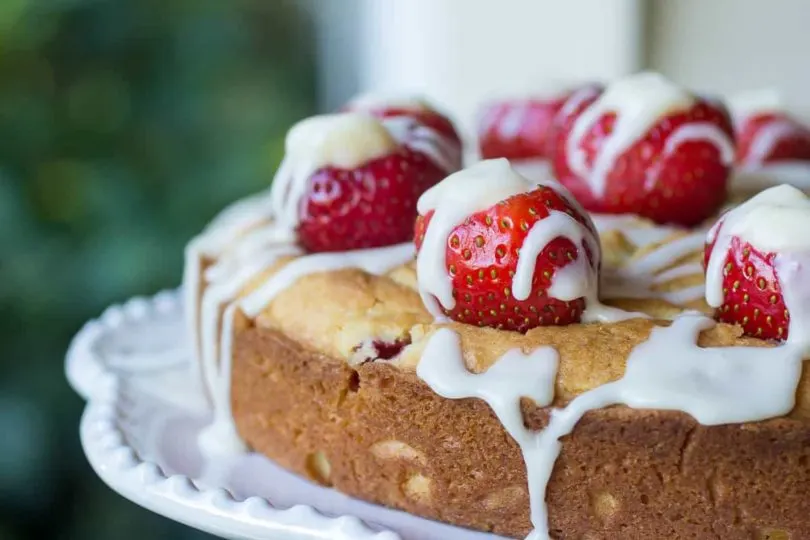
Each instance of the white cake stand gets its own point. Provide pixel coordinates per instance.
(139, 432)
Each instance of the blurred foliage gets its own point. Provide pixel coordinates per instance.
(125, 125)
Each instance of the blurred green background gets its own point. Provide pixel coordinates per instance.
(124, 126)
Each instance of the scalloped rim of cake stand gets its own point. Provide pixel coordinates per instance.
(176, 496)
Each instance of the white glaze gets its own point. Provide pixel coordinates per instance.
(641, 276)
(479, 187)
(638, 230)
(535, 169)
(638, 101)
(458, 196)
(754, 102)
(220, 437)
(774, 221)
(443, 151)
(687, 269)
(765, 175)
(765, 140)
(250, 237)
(557, 224)
(223, 230)
(666, 254)
(698, 131)
(669, 372)
(513, 376)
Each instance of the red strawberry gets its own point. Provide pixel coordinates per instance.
(370, 206)
(772, 137)
(427, 117)
(668, 179)
(422, 112)
(518, 129)
(482, 256)
(752, 296)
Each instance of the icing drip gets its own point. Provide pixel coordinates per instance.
(640, 277)
(766, 139)
(765, 175)
(669, 372)
(557, 224)
(639, 102)
(699, 131)
(250, 237)
(637, 229)
(223, 230)
(459, 195)
(747, 104)
(719, 385)
(775, 221)
(666, 254)
(443, 151)
(515, 375)
(536, 170)
(347, 141)
(754, 174)
(221, 436)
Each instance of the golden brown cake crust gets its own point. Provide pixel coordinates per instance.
(379, 433)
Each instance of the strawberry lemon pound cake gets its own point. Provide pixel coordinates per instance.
(509, 369)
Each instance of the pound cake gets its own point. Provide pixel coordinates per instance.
(597, 353)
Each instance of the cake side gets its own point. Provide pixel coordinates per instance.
(379, 433)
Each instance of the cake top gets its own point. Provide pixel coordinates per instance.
(512, 281)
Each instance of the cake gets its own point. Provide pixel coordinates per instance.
(595, 354)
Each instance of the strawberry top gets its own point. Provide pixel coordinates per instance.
(495, 250)
(757, 261)
(644, 146)
(349, 182)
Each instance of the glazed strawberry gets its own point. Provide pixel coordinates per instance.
(349, 182)
(415, 108)
(752, 296)
(518, 129)
(757, 261)
(644, 146)
(771, 137)
(369, 206)
(482, 259)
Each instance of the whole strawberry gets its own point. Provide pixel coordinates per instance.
(644, 146)
(752, 296)
(347, 182)
(483, 258)
(756, 260)
(369, 206)
(771, 137)
(518, 129)
(414, 108)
